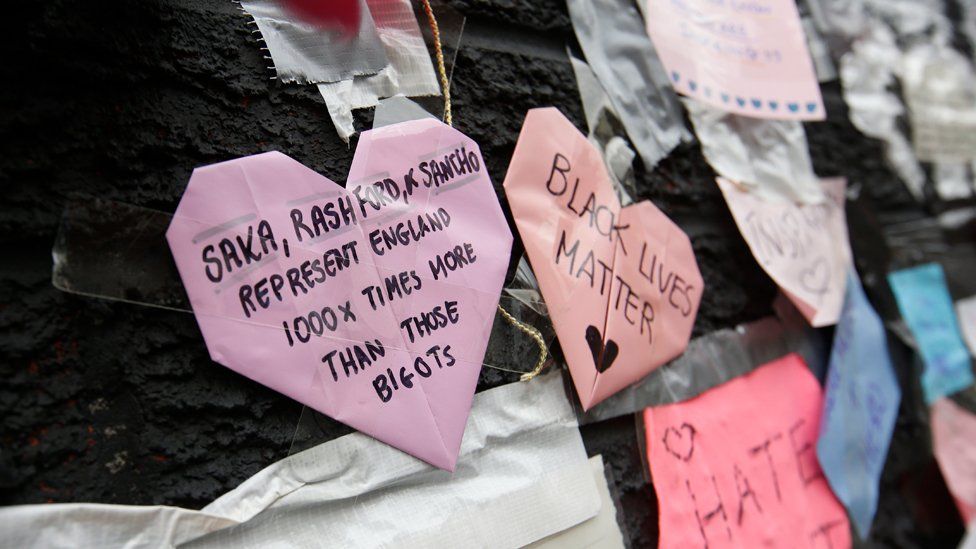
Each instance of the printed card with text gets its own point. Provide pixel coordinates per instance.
(803, 247)
(371, 303)
(621, 284)
(737, 466)
(747, 57)
(860, 407)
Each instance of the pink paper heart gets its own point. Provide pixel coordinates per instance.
(621, 284)
(372, 304)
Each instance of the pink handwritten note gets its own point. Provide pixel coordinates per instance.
(954, 444)
(621, 284)
(748, 57)
(737, 466)
(802, 247)
(372, 304)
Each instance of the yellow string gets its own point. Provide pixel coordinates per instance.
(531, 331)
(534, 334)
(445, 85)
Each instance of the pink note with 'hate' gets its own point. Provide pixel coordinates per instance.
(372, 304)
(954, 444)
(737, 466)
(748, 57)
(802, 247)
(621, 284)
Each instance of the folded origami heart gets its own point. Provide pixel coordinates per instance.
(621, 284)
(372, 304)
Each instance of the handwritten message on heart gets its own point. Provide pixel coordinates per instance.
(748, 57)
(621, 284)
(802, 247)
(736, 467)
(372, 304)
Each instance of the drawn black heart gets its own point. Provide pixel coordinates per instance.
(603, 355)
(816, 277)
(681, 445)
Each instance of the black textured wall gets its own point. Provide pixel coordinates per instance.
(109, 402)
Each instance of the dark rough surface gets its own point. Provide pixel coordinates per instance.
(109, 402)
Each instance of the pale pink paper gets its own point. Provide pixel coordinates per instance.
(954, 444)
(427, 420)
(802, 247)
(748, 57)
(575, 304)
(755, 435)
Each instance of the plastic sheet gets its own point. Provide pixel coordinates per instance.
(940, 87)
(410, 71)
(357, 492)
(605, 131)
(770, 158)
(111, 250)
(714, 359)
(617, 48)
(304, 54)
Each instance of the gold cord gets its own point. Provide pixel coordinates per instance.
(534, 333)
(445, 85)
(531, 331)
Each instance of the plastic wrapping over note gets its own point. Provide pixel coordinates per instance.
(410, 71)
(616, 46)
(306, 54)
(713, 359)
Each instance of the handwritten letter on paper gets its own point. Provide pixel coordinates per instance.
(748, 57)
(621, 284)
(803, 247)
(860, 407)
(924, 302)
(371, 304)
(736, 466)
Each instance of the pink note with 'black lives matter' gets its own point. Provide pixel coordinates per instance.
(747, 57)
(803, 247)
(737, 466)
(621, 284)
(372, 304)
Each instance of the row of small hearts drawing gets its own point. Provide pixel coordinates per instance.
(741, 101)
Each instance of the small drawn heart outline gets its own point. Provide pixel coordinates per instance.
(603, 353)
(816, 277)
(690, 450)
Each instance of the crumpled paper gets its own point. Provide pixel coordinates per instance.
(616, 45)
(523, 475)
(305, 54)
(769, 158)
(867, 72)
(409, 73)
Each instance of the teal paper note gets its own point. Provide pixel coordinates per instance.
(860, 407)
(927, 309)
